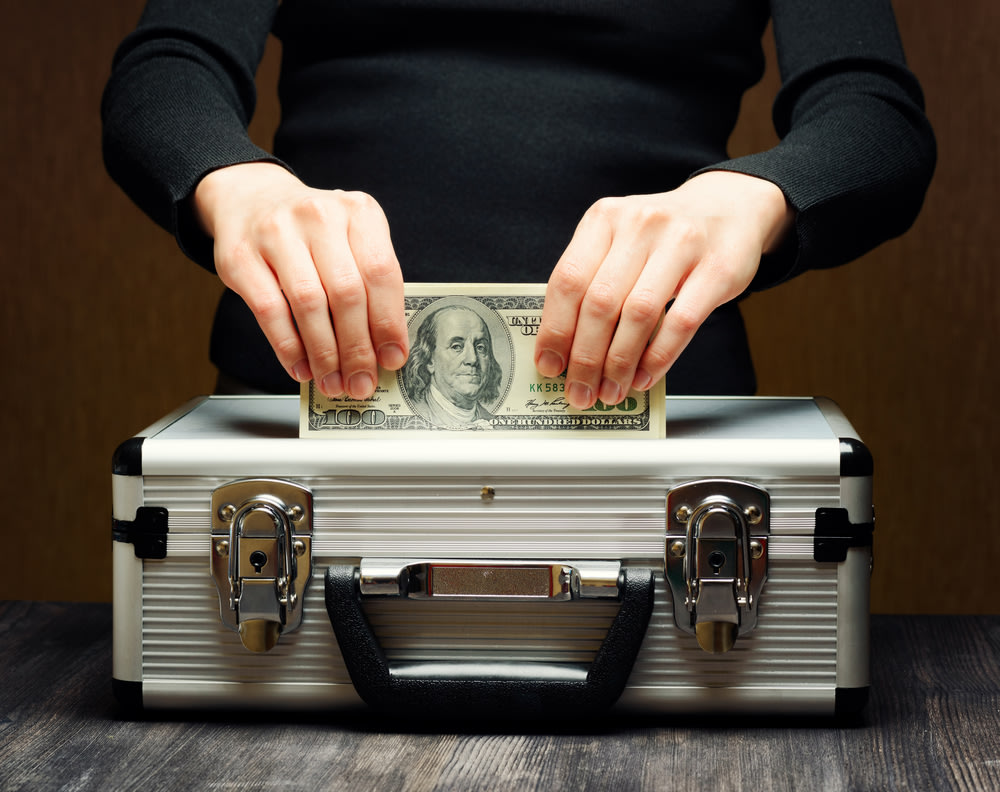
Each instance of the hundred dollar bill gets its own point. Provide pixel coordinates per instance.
(471, 368)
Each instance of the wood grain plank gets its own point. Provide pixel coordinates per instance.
(933, 723)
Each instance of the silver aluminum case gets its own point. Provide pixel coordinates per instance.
(555, 499)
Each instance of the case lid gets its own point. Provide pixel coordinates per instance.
(258, 435)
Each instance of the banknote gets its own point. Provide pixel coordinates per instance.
(471, 368)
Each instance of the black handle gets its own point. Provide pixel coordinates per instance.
(494, 689)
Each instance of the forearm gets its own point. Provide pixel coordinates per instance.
(856, 152)
(178, 102)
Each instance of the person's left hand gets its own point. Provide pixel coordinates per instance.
(699, 245)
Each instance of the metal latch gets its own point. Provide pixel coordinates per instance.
(261, 557)
(716, 558)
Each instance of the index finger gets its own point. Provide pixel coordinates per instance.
(368, 234)
(564, 295)
(704, 289)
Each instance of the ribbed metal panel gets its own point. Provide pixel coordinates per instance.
(556, 519)
(607, 518)
(547, 632)
(794, 644)
(183, 636)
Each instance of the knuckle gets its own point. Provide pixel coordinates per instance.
(554, 338)
(587, 362)
(267, 307)
(602, 300)
(642, 307)
(726, 279)
(605, 209)
(232, 261)
(361, 201)
(684, 318)
(688, 232)
(287, 348)
(385, 324)
(347, 289)
(306, 296)
(569, 279)
(657, 359)
(618, 363)
(381, 266)
(324, 359)
(271, 228)
(645, 215)
(313, 208)
(356, 354)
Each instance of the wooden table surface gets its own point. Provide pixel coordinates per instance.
(933, 723)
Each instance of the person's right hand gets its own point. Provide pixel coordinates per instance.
(316, 267)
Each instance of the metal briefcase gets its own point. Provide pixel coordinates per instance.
(724, 568)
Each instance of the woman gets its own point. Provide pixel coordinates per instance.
(577, 143)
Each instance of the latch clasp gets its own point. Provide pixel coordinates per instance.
(261, 557)
(716, 558)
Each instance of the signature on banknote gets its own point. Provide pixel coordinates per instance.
(546, 405)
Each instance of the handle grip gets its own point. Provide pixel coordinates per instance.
(469, 688)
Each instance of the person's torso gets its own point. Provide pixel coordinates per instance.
(485, 132)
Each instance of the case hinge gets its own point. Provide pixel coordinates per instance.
(716, 558)
(261, 557)
(147, 533)
(835, 534)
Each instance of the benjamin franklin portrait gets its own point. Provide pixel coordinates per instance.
(453, 375)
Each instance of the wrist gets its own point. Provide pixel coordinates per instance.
(779, 216)
(218, 188)
(757, 199)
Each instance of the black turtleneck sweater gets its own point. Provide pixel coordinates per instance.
(485, 130)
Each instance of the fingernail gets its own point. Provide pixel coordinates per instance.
(391, 356)
(361, 386)
(332, 385)
(642, 380)
(611, 392)
(550, 364)
(580, 396)
(301, 371)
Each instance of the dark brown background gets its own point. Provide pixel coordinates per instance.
(105, 323)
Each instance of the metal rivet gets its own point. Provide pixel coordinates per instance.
(227, 512)
(753, 514)
(222, 548)
(299, 547)
(683, 514)
(756, 549)
(296, 513)
(487, 493)
(677, 549)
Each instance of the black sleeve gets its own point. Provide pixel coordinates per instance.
(178, 102)
(857, 152)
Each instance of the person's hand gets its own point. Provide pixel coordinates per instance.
(699, 245)
(316, 267)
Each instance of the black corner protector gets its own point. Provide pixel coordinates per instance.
(128, 694)
(849, 702)
(127, 459)
(855, 458)
(147, 533)
(835, 534)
